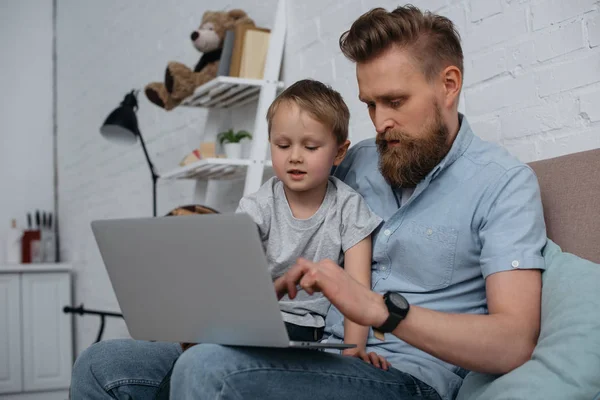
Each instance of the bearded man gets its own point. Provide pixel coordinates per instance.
(456, 272)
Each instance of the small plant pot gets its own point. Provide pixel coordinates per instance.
(233, 150)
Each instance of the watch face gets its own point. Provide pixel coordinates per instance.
(398, 301)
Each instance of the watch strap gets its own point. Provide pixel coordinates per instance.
(390, 323)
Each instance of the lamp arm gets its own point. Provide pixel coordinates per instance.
(155, 175)
(150, 165)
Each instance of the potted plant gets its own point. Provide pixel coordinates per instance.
(230, 141)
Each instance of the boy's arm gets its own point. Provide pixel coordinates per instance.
(357, 262)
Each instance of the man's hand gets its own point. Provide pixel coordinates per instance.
(372, 358)
(353, 300)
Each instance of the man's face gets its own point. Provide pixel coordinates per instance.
(405, 109)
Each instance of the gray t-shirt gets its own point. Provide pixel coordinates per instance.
(343, 220)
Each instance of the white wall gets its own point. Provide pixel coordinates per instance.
(532, 67)
(26, 158)
(532, 84)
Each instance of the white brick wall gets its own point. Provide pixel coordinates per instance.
(532, 84)
(26, 158)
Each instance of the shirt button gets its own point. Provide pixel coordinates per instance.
(387, 232)
(515, 264)
(383, 268)
(429, 231)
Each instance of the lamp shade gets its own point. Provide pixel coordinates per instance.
(121, 125)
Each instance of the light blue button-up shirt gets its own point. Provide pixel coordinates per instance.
(476, 213)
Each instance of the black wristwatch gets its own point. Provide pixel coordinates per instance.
(398, 307)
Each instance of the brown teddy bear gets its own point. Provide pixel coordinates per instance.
(180, 81)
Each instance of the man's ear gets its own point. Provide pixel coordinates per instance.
(452, 81)
(342, 150)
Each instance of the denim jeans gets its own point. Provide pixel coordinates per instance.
(128, 369)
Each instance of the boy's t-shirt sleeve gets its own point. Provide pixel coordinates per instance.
(251, 205)
(358, 221)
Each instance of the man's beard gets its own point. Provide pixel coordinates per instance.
(407, 163)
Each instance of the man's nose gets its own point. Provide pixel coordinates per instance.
(382, 121)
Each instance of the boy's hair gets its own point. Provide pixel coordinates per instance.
(432, 39)
(322, 102)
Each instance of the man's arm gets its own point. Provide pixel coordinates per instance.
(495, 343)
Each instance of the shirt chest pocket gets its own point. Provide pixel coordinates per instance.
(425, 254)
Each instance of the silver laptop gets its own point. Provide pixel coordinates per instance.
(199, 278)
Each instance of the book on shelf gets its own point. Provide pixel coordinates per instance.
(238, 46)
(225, 61)
(254, 53)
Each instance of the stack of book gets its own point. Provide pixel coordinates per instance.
(244, 52)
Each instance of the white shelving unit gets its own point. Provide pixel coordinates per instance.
(229, 93)
(213, 168)
(226, 92)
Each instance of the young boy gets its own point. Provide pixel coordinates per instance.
(305, 212)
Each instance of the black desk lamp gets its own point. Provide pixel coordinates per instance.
(121, 126)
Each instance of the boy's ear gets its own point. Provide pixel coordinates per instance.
(342, 150)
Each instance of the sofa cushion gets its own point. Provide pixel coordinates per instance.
(566, 361)
(570, 189)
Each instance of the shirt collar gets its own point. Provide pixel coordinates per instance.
(461, 143)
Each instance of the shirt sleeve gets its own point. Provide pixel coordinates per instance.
(512, 228)
(261, 215)
(358, 221)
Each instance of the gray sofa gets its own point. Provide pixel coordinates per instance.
(570, 188)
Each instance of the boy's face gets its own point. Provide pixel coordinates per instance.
(303, 150)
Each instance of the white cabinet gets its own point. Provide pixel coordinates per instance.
(36, 346)
(10, 334)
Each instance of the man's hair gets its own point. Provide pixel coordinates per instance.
(431, 39)
(322, 102)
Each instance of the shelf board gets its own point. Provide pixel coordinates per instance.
(226, 92)
(212, 168)
(35, 267)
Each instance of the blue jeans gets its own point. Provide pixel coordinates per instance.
(127, 369)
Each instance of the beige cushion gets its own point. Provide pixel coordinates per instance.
(570, 187)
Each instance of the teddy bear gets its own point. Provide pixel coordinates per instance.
(181, 81)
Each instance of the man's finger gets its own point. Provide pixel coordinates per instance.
(287, 283)
(307, 284)
(310, 282)
(292, 278)
(280, 285)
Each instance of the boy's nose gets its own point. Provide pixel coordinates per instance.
(296, 157)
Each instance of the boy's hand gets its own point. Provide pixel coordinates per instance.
(372, 358)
